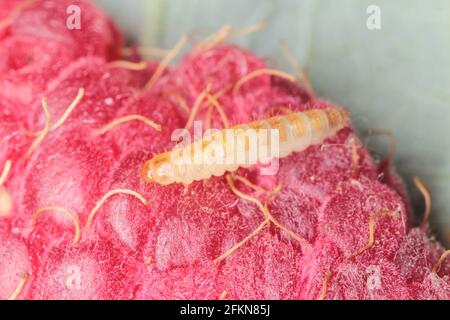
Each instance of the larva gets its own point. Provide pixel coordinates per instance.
(207, 157)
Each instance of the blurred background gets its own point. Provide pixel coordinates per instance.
(395, 78)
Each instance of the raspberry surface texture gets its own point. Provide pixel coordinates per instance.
(77, 221)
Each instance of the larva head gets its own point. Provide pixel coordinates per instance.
(158, 170)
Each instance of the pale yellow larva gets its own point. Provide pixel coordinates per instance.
(296, 131)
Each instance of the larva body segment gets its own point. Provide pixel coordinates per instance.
(245, 145)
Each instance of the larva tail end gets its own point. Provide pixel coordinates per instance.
(345, 115)
(338, 117)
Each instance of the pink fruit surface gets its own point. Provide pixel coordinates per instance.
(227, 65)
(15, 263)
(67, 170)
(335, 228)
(13, 129)
(221, 69)
(78, 24)
(106, 90)
(27, 63)
(92, 270)
(141, 136)
(38, 33)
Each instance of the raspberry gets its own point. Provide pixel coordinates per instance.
(15, 265)
(82, 224)
(29, 43)
(106, 90)
(93, 270)
(72, 171)
(97, 34)
(27, 64)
